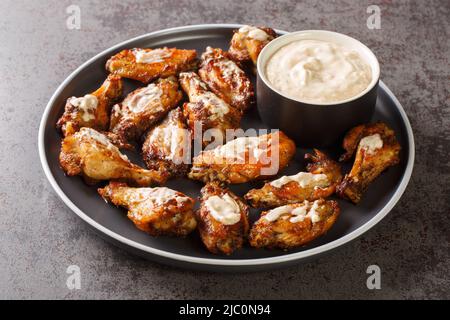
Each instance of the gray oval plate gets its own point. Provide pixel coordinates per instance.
(112, 223)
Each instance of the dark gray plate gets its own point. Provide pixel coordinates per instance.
(112, 223)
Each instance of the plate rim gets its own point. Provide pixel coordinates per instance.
(278, 260)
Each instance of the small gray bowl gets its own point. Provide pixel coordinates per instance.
(315, 124)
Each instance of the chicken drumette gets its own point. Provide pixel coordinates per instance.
(146, 65)
(248, 41)
(207, 115)
(320, 181)
(244, 159)
(222, 219)
(92, 110)
(143, 108)
(167, 147)
(293, 225)
(376, 149)
(91, 154)
(156, 211)
(226, 79)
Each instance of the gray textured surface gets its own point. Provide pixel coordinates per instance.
(40, 237)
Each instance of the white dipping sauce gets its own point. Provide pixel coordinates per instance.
(224, 209)
(317, 71)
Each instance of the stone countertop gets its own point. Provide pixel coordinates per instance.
(41, 237)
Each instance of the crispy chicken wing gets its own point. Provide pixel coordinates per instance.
(294, 225)
(90, 154)
(146, 65)
(320, 181)
(244, 159)
(222, 219)
(376, 150)
(248, 41)
(156, 211)
(93, 109)
(206, 111)
(143, 108)
(226, 79)
(167, 147)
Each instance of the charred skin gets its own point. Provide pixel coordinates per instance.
(283, 234)
(173, 218)
(217, 237)
(270, 196)
(224, 77)
(171, 156)
(72, 119)
(124, 64)
(367, 166)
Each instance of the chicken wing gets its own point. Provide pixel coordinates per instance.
(90, 154)
(156, 211)
(226, 79)
(244, 159)
(146, 65)
(320, 181)
(167, 147)
(222, 219)
(206, 111)
(248, 41)
(376, 150)
(294, 225)
(143, 108)
(93, 109)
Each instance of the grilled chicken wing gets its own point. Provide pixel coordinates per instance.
(167, 147)
(244, 159)
(205, 111)
(376, 150)
(146, 65)
(294, 225)
(248, 41)
(143, 108)
(226, 79)
(222, 219)
(320, 181)
(93, 109)
(90, 154)
(156, 211)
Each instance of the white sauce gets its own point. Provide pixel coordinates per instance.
(217, 107)
(174, 140)
(371, 143)
(254, 33)
(237, 148)
(87, 105)
(153, 56)
(318, 71)
(304, 179)
(297, 214)
(140, 100)
(157, 196)
(223, 209)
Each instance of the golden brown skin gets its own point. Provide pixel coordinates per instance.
(206, 109)
(284, 234)
(367, 166)
(74, 117)
(217, 237)
(171, 62)
(170, 215)
(143, 108)
(244, 48)
(167, 147)
(270, 196)
(90, 154)
(273, 153)
(226, 79)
